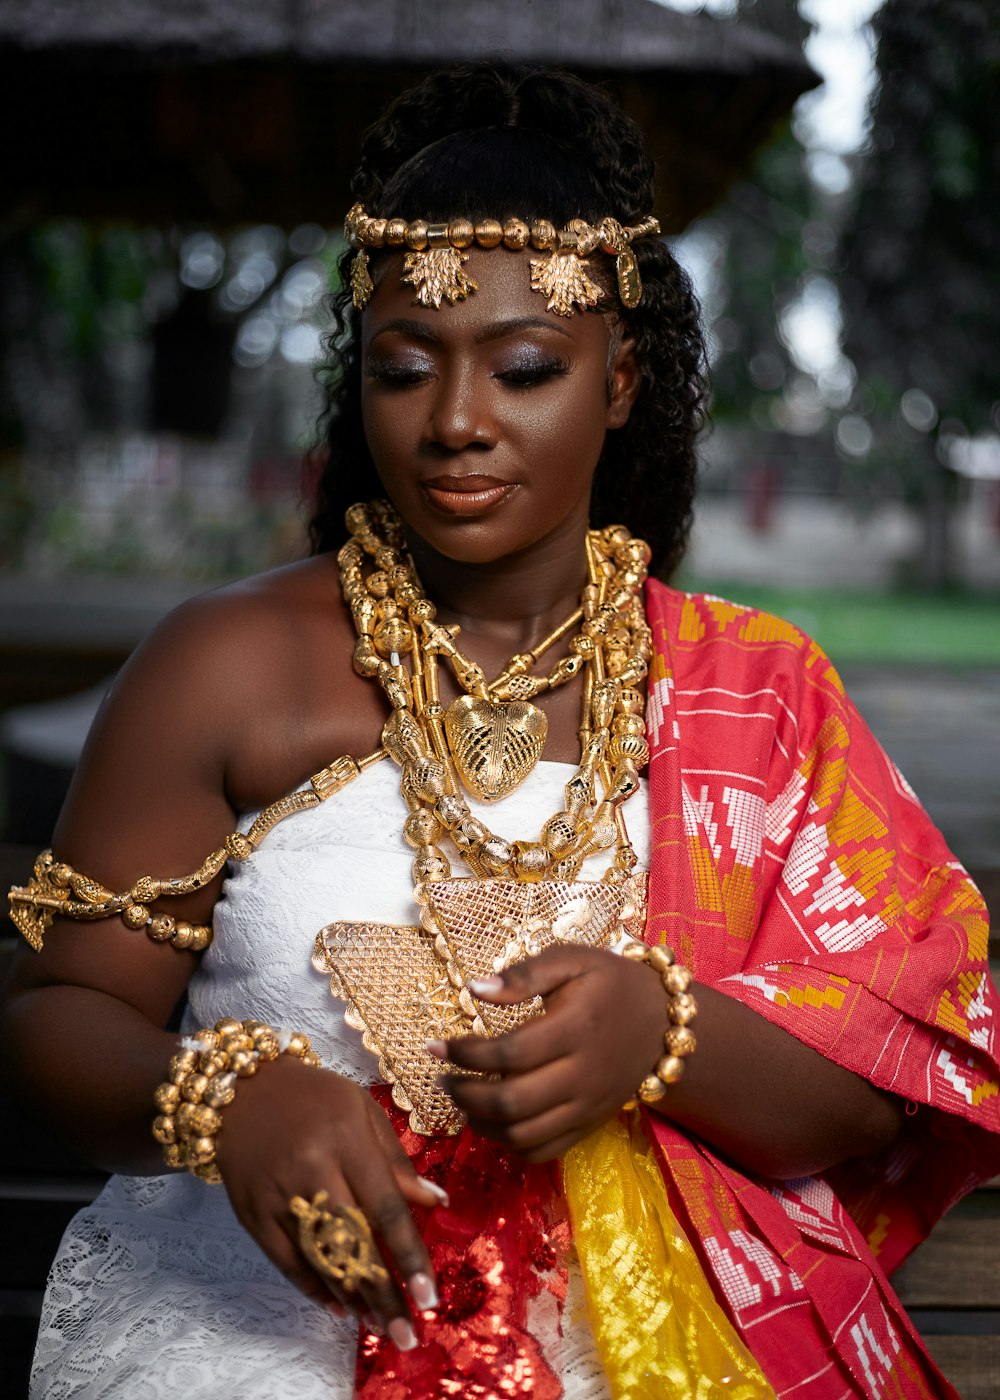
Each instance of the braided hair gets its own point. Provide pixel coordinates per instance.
(482, 141)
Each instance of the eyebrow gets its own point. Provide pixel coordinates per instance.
(420, 330)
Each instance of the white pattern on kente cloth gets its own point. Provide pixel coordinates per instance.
(157, 1290)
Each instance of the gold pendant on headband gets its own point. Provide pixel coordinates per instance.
(437, 275)
(563, 278)
(629, 281)
(494, 744)
(361, 282)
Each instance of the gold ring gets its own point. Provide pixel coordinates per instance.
(337, 1243)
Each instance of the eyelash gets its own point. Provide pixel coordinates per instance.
(517, 377)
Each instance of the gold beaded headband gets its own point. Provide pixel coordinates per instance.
(433, 264)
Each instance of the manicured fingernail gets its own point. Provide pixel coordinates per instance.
(436, 1189)
(422, 1291)
(437, 1048)
(402, 1334)
(486, 986)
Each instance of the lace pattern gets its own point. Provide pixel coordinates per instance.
(157, 1291)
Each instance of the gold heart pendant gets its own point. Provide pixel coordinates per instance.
(494, 743)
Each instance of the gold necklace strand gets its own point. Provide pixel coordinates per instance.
(613, 647)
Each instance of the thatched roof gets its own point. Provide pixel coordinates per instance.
(225, 108)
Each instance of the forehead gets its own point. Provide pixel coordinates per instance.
(503, 297)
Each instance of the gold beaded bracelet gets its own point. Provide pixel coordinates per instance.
(678, 1039)
(202, 1082)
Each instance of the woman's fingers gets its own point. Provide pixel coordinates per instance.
(513, 1098)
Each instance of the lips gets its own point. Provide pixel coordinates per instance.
(473, 494)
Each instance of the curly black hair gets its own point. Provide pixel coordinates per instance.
(480, 141)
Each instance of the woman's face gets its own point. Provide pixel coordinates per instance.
(486, 419)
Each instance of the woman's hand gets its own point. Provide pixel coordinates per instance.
(294, 1130)
(565, 1072)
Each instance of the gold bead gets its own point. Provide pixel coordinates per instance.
(183, 935)
(182, 1118)
(160, 927)
(61, 874)
(625, 723)
(201, 937)
(516, 233)
(635, 952)
(235, 1040)
(682, 1009)
(386, 558)
(629, 748)
(221, 1090)
(559, 833)
(399, 576)
(200, 1151)
(311, 1058)
(669, 1068)
(204, 1120)
(489, 232)
(679, 1040)
(416, 235)
(208, 1171)
(423, 610)
(213, 1062)
(164, 1129)
(582, 646)
(531, 860)
(677, 980)
(461, 233)
(543, 234)
(470, 833)
(496, 854)
(172, 1154)
(298, 1044)
(243, 1063)
(425, 778)
(450, 809)
(378, 584)
(135, 916)
(421, 827)
(167, 1097)
(652, 1089)
(395, 232)
(267, 1046)
(182, 1064)
(357, 519)
(193, 1087)
(660, 958)
(375, 233)
(393, 635)
(228, 1025)
(430, 864)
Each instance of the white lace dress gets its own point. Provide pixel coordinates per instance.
(157, 1291)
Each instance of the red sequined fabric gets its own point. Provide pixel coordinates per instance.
(498, 1246)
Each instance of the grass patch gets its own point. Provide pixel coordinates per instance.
(949, 629)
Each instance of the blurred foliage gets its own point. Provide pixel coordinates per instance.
(922, 250)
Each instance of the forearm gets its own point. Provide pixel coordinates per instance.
(87, 1064)
(770, 1102)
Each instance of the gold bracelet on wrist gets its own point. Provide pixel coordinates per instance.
(203, 1078)
(678, 1039)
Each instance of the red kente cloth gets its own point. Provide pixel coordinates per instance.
(793, 869)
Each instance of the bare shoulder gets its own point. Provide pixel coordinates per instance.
(233, 699)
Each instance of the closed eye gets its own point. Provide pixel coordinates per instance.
(531, 372)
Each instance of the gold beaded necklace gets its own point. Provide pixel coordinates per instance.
(406, 985)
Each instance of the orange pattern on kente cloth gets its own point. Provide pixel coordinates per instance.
(854, 820)
(829, 771)
(832, 994)
(866, 870)
(950, 1018)
(763, 627)
(704, 1194)
(878, 1232)
(692, 626)
(723, 612)
(739, 892)
(658, 669)
(705, 876)
(967, 911)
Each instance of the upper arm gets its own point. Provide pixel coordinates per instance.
(149, 798)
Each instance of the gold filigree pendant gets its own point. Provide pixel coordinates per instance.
(362, 285)
(438, 276)
(404, 986)
(494, 744)
(564, 279)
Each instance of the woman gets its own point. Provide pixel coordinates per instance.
(504, 386)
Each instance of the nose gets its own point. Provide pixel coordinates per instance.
(460, 415)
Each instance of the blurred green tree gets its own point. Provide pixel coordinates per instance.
(922, 250)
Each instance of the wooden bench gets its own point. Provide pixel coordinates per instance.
(950, 1286)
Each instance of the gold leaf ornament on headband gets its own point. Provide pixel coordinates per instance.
(435, 254)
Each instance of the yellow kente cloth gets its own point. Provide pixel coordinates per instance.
(658, 1327)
